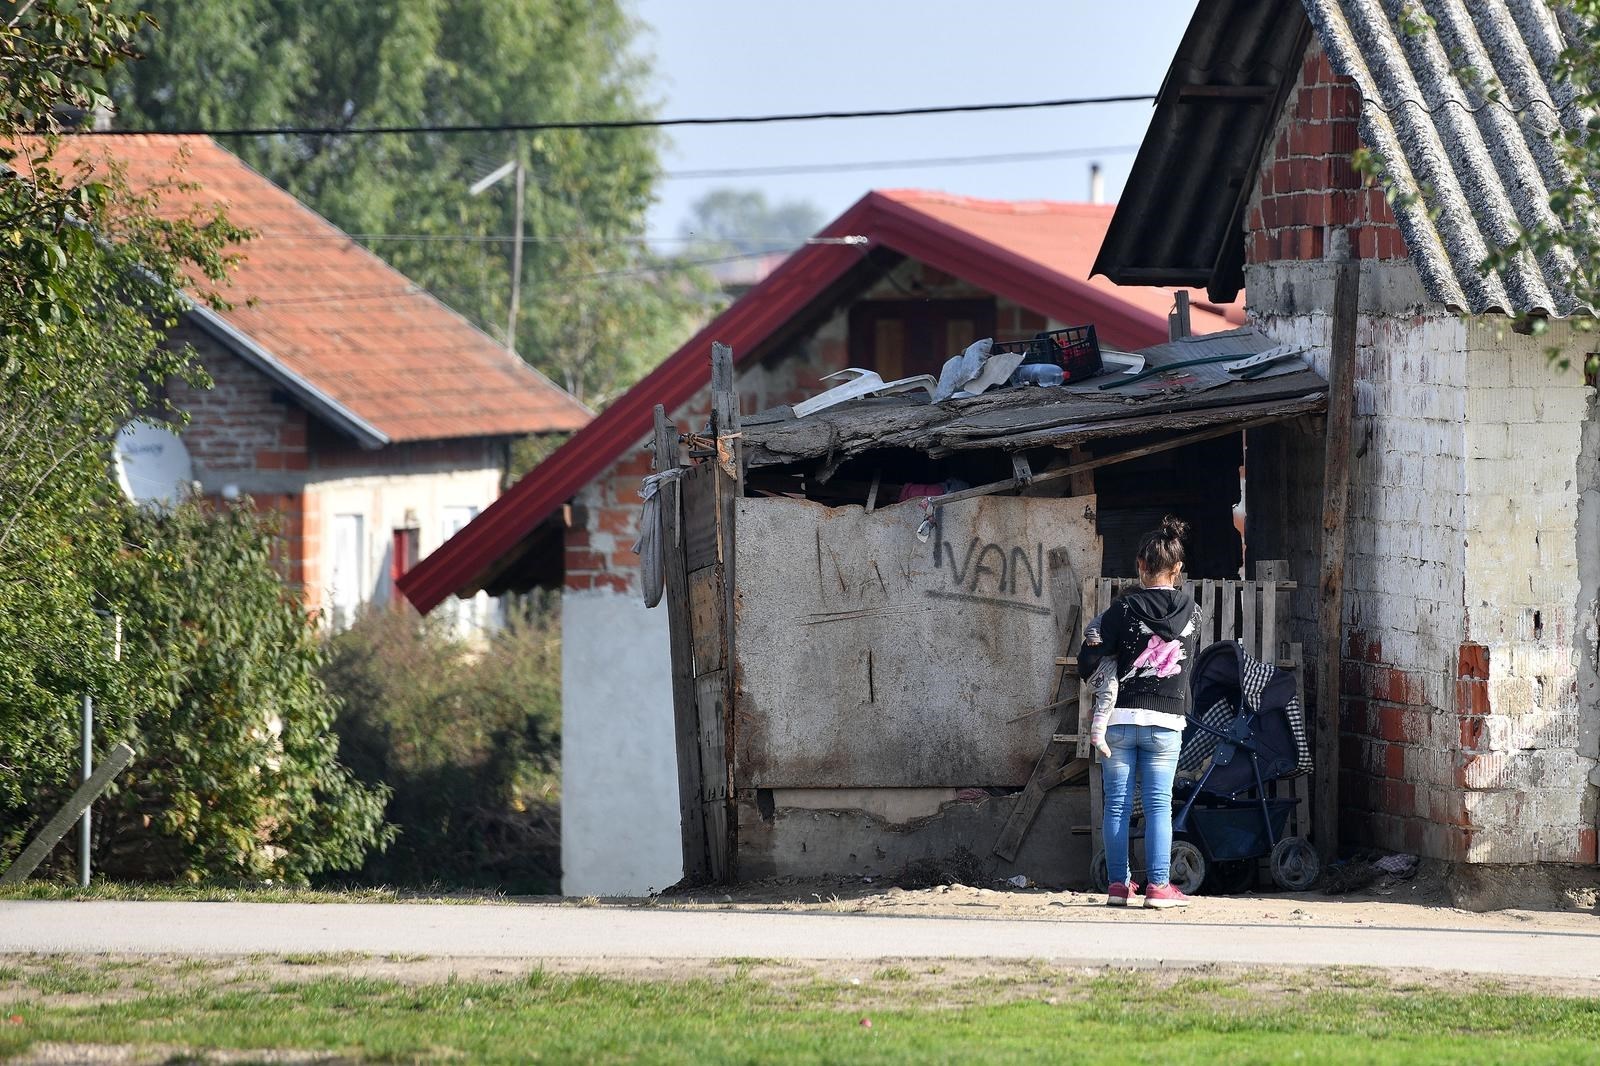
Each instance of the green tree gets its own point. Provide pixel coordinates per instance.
(92, 276)
(597, 309)
(89, 278)
(742, 221)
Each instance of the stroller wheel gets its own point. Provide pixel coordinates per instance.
(1188, 867)
(1099, 876)
(1295, 865)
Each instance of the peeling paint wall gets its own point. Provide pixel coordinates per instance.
(1470, 719)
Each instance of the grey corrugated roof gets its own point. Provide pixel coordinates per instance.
(1482, 165)
(1181, 217)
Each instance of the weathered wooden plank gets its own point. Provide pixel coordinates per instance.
(1208, 612)
(1025, 416)
(1249, 634)
(711, 703)
(685, 715)
(706, 613)
(1269, 622)
(1229, 592)
(56, 828)
(1014, 482)
(680, 641)
(699, 495)
(728, 473)
(1330, 593)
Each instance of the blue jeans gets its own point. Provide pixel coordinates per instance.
(1153, 751)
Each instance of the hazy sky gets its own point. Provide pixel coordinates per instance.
(719, 57)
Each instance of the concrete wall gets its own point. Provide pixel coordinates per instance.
(619, 777)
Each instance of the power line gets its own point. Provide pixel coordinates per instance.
(667, 267)
(900, 164)
(620, 124)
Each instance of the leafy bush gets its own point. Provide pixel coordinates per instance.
(236, 776)
(467, 738)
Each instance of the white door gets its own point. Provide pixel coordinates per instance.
(347, 584)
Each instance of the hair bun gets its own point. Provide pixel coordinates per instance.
(1174, 528)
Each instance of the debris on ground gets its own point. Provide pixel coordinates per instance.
(958, 867)
(1368, 869)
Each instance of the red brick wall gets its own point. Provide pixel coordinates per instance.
(1308, 182)
(604, 517)
(236, 424)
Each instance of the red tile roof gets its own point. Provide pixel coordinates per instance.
(1062, 238)
(337, 319)
(1036, 254)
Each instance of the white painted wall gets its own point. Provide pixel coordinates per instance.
(429, 502)
(620, 831)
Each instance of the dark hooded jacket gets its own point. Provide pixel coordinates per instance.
(1153, 633)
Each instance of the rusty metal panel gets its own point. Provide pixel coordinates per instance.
(870, 658)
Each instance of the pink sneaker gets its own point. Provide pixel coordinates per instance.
(1120, 895)
(1163, 896)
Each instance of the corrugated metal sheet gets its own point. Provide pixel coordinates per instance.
(1484, 166)
(1181, 218)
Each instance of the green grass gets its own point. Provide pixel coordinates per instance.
(1116, 1018)
(142, 893)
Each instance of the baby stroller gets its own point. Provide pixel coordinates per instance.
(1245, 731)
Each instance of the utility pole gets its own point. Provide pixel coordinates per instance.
(516, 169)
(516, 260)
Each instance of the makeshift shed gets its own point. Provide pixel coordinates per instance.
(871, 663)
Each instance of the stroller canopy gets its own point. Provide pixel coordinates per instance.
(1227, 684)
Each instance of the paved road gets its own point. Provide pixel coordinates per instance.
(601, 932)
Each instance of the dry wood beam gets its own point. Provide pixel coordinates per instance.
(1330, 585)
(685, 715)
(1105, 460)
(1146, 419)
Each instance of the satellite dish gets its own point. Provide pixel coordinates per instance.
(152, 464)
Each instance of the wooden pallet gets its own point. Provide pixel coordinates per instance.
(1255, 613)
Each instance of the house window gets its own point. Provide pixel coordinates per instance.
(467, 616)
(898, 338)
(403, 556)
(348, 581)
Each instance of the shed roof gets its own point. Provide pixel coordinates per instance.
(1036, 253)
(1181, 217)
(1186, 396)
(1478, 165)
(358, 342)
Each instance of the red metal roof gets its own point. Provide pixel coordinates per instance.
(335, 317)
(1037, 254)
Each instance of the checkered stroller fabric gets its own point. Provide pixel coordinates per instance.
(1228, 679)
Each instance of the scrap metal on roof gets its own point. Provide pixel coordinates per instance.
(1461, 105)
(1188, 396)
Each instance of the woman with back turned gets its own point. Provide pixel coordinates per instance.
(1150, 634)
